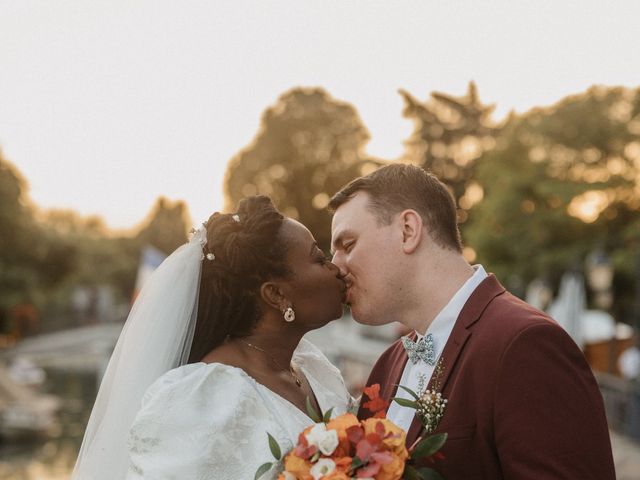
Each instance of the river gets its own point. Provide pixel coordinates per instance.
(53, 458)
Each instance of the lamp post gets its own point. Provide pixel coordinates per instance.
(599, 273)
(599, 270)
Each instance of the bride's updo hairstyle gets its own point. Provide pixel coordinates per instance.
(243, 250)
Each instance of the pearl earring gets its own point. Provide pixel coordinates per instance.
(289, 315)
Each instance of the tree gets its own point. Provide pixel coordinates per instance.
(561, 181)
(308, 146)
(450, 134)
(166, 226)
(31, 256)
(101, 257)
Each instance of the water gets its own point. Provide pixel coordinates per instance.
(53, 458)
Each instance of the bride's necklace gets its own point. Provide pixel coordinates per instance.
(290, 370)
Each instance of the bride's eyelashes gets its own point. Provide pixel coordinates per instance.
(322, 258)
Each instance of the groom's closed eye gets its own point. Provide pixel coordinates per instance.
(342, 242)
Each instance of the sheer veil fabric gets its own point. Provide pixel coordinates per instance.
(156, 338)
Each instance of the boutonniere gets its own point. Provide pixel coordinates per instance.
(428, 403)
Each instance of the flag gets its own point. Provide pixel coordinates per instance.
(150, 259)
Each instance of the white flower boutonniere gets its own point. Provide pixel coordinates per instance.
(428, 403)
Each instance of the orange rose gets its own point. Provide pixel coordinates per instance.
(336, 475)
(298, 467)
(343, 464)
(342, 422)
(395, 443)
(392, 470)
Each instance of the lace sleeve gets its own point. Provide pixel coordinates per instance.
(203, 422)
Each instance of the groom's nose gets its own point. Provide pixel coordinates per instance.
(338, 261)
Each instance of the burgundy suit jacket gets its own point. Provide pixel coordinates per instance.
(522, 400)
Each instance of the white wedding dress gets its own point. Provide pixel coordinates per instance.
(210, 421)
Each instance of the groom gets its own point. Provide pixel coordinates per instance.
(522, 401)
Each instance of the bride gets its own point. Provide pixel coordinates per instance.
(229, 310)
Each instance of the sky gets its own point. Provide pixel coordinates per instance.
(107, 104)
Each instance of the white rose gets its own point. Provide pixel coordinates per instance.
(316, 433)
(323, 467)
(328, 442)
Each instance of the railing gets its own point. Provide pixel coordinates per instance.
(622, 404)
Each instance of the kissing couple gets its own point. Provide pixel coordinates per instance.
(212, 356)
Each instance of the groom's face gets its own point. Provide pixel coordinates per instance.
(365, 252)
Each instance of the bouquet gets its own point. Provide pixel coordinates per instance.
(346, 448)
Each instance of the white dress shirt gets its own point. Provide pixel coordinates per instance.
(440, 329)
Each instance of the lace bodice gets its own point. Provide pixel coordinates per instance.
(210, 421)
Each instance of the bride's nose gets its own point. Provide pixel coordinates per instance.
(340, 273)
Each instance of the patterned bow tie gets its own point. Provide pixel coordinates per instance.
(424, 350)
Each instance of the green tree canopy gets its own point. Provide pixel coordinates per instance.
(33, 258)
(450, 134)
(309, 145)
(562, 181)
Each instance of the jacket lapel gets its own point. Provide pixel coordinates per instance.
(397, 368)
(471, 312)
(387, 373)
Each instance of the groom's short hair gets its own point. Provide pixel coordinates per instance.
(398, 187)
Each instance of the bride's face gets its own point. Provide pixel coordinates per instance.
(315, 287)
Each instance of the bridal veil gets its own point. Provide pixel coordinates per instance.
(156, 338)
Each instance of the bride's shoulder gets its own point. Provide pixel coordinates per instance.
(308, 350)
(310, 356)
(326, 374)
(199, 379)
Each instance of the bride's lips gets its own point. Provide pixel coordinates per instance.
(343, 291)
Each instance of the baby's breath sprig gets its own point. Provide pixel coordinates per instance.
(428, 403)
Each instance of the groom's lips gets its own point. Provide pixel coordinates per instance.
(343, 291)
(347, 291)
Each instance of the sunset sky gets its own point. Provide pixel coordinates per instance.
(106, 105)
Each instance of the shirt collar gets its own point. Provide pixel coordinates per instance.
(443, 322)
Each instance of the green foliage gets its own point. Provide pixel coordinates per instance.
(45, 255)
(429, 446)
(274, 447)
(561, 181)
(450, 134)
(33, 258)
(405, 403)
(409, 391)
(264, 468)
(312, 412)
(309, 145)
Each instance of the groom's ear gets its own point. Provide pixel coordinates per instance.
(272, 295)
(412, 230)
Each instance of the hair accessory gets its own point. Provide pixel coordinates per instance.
(211, 256)
(289, 315)
(199, 235)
